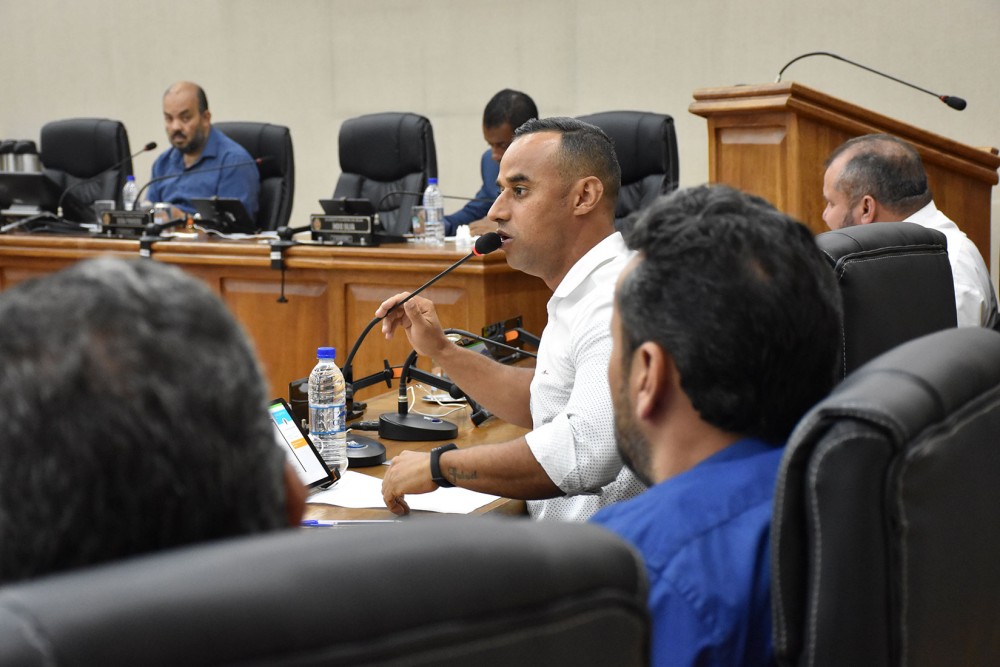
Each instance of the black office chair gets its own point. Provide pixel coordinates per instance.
(383, 153)
(896, 285)
(885, 539)
(78, 149)
(273, 143)
(445, 592)
(646, 145)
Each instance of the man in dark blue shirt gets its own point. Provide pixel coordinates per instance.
(725, 332)
(505, 112)
(206, 162)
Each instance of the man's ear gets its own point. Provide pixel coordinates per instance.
(869, 210)
(587, 194)
(651, 380)
(295, 496)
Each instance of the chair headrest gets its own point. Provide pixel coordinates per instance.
(84, 147)
(634, 133)
(263, 140)
(387, 146)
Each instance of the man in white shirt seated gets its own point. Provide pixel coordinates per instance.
(880, 178)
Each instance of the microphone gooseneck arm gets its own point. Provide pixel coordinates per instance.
(397, 193)
(485, 244)
(234, 165)
(956, 103)
(148, 147)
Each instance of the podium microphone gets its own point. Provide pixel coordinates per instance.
(148, 147)
(233, 165)
(956, 103)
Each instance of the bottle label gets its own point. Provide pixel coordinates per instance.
(327, 419)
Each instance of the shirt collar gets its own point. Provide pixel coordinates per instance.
(612, 247)
(926, 214)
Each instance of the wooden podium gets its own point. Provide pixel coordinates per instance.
(772, 140)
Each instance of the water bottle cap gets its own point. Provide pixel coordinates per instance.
(326, 353)
(432, 180)
(130, 178)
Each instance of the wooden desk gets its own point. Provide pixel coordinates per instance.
(493, 430)
(331, 292)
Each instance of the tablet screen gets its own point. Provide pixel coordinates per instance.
(301, 453)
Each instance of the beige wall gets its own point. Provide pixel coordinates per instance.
(310, 64)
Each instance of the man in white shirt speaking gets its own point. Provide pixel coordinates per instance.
(559, 180)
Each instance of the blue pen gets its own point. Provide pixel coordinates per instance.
(330, 523)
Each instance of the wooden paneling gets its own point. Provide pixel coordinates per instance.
(330, 293)
(772, 140)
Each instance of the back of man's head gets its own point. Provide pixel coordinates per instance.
(886, 168)
(740, 297)
(584, 150)
(511, 107)
(132, 418)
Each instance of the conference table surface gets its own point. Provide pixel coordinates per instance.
(492, 430)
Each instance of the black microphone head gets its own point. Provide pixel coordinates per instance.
(150, 146)
(954, 102)
(487, 243)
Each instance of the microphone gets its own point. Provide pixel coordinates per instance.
(233, 165)
(956, 103)
(485, 244)
(148, 147)
(394, 193)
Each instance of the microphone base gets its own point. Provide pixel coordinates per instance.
(364, 452)
(410, 427)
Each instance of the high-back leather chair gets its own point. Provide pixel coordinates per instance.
(78, 149)
(443, 592)
(646, 145)
(383, 153)
(885, 539)
(896, 284)
(273, 143)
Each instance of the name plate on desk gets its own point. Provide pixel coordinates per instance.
(347, 230)
(125, 224)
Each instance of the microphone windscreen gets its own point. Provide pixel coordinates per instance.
(956, 103)
(150, 146)
(487, 243)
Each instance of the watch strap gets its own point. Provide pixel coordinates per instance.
(436, 475)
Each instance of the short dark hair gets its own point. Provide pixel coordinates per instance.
(509, 106)
(132, 418)
(585, 150)
(741, 298)
(886, 168)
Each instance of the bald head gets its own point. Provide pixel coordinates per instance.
(883, 167)
(188, 89)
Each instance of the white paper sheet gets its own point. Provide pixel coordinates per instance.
(358, 490)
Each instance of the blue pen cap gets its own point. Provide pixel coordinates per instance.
(326, 353)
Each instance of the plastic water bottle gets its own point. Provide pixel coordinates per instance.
(327, 409)
(129, 192)
(434, 202)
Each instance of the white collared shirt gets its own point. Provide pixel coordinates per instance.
(571, 410)
(975, 302)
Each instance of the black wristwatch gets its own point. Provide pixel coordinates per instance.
(436, 453)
